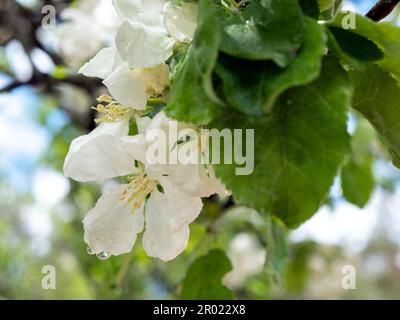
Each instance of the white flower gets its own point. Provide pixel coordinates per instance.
(130, 87)
(145, 12)
(171, 205)
(134, 68)
(86, 29)
(151, 28)
(247, 257)
(180, 20)
(143, 47)
(95, 147)
(142, 41)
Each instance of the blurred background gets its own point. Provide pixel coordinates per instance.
(44, 104)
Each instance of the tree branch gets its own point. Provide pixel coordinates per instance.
(382, 9)
(21, 23)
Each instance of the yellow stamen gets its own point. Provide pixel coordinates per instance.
(138, 189)
(112, 110)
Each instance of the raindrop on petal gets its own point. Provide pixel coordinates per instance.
(89, 250)
(103, 255)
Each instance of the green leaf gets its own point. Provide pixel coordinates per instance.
(329, 8)
(355, 45)
(377, 97)
(357, 176)
(264, 30)
(298, 271)
(277, 248)
(204, 278)
(358, 181)
(192, 98)
(326, 4)
(310, 8)
(386, 35)
(298, 148)
(253, 86)
(346, 59)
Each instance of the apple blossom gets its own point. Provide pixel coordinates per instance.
(164, 198)
(134, 68)
(85, 30)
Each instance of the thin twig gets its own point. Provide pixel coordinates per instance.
(382, 9)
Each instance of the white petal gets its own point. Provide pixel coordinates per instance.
(161, 239)
(171, 129)
(143, 47)
(180, 20)
(154, 6)
(112, 225)
(128, 8)
(142, 124)
(147, 12)
(120, 128)
(193, 179)
(196, 180)
(127, 88)
(135, 147)
(102, 157)
(101, 65)
(181, 208)
(161, 121)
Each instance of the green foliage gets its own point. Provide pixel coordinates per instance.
(263, 30)
(376, 96)
(356, 46)
(273, 74)
(297, 272)
(385, 35)
(328, 8)
(253, 87)
(192, 97)
(298, 148)
(357, 177)
(204, 278)
(326, 4)
(310, 8)
(272, 67)
(277, 248)
(266, 65)
(358, 182)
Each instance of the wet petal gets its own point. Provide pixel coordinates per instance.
(161, 238)
(182, 208)
(143, 47)
(112, 225)
(148, 12)
(120, 128)
(181, 20)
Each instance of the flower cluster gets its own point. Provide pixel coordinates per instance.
(162, 199)
(85, 29)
